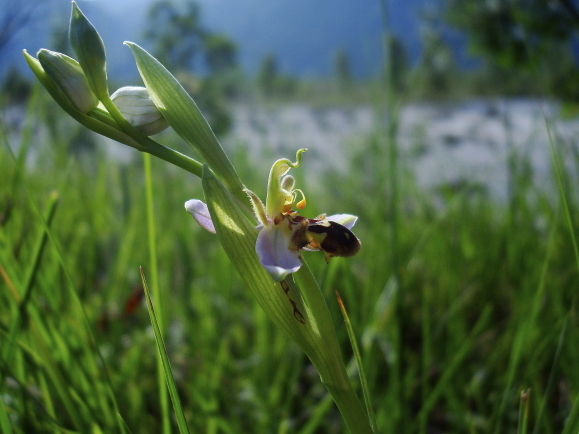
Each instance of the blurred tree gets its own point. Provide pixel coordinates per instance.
(270, 82)
(182, 44)
(531, 38)
(176, 33)
(399, 60)
(15, 15)
(15, 88)
(267, 74)
(342, 69)
(221, 62)
(515, 33)
(220, 54)
(436, 64)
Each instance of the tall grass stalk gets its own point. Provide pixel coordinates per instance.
(552, 375)
(391, 196)
(160, 315)
(563, 194)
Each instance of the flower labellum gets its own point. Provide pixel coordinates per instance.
(283, 233)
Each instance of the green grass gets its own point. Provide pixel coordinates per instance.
(485, 306)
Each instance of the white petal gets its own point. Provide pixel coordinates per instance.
(274, 254)
(200, 213)
(346, 220)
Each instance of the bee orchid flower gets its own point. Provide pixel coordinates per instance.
(283, 232)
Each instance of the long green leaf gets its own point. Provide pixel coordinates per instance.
(185, 117)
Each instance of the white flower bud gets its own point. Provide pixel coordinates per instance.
(138, 108)
(67, 74)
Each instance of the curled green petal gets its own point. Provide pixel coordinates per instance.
(277, 196)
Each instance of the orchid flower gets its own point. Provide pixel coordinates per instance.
(283, 232)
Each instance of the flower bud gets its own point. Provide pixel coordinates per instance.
(90, 51)
(138, 108)
(67, 74)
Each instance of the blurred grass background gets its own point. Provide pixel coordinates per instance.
(486, 296)
(460, 302)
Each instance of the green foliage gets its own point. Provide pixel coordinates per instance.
(176, 33)
(15, 88)
(220, 54)
(485, 292)
(267, 74)
(515, 33)
(437, 68)
(518, 37)
(399, 68)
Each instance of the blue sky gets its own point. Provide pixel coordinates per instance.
(304, 34)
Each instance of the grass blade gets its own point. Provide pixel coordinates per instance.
(4, 422)
(524, 411)
(552, 376)
(561, 186)
(356, 349)
(572, 424)
(181, 422)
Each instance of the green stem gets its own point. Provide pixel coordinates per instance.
(173, 157)
(392, 211)
(163, 395)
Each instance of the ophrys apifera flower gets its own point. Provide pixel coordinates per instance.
(283, 232)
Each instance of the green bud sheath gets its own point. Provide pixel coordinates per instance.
(90, 51)
(105, 128)
(67, 74)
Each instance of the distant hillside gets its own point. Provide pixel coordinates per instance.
(304, 34)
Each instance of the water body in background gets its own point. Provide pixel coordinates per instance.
(442, 144)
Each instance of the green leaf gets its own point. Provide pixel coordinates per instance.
(185, 117)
